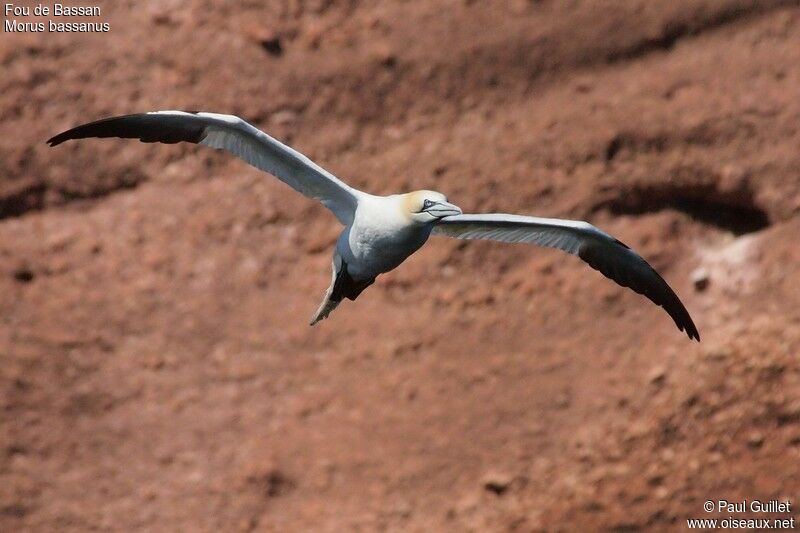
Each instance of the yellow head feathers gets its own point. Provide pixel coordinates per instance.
(413, 202)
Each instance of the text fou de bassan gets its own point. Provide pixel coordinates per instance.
(14, 14)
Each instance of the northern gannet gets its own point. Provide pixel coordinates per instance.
(382, 231)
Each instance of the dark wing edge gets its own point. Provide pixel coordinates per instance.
(648, 282)
(147, 127)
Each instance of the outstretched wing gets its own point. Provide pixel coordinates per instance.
(230, 133)
(603, 252)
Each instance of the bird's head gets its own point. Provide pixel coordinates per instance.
(425, 207)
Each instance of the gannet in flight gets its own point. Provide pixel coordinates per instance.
(382, 231)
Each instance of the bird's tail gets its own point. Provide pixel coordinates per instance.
(342, 286)
(325, 308)
(328, 304)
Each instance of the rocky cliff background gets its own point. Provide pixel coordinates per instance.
(157, 371)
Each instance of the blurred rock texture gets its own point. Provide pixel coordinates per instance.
(156, 367)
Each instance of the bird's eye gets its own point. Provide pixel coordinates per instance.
(426, 204)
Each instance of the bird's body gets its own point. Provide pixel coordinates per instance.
(380, 237)
(380, 232)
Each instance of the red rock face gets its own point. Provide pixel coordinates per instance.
(157, 367)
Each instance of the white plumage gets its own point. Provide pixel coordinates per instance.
(382, 231)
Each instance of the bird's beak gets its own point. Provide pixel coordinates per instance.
(443, 209)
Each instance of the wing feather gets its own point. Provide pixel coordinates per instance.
(234, 135)
(601, 251)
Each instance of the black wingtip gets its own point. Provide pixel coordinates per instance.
(67, 135)
(656, 289)
(56, 140)
(687, 326)
(685, 322)
(164, 127)
(682, 319)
